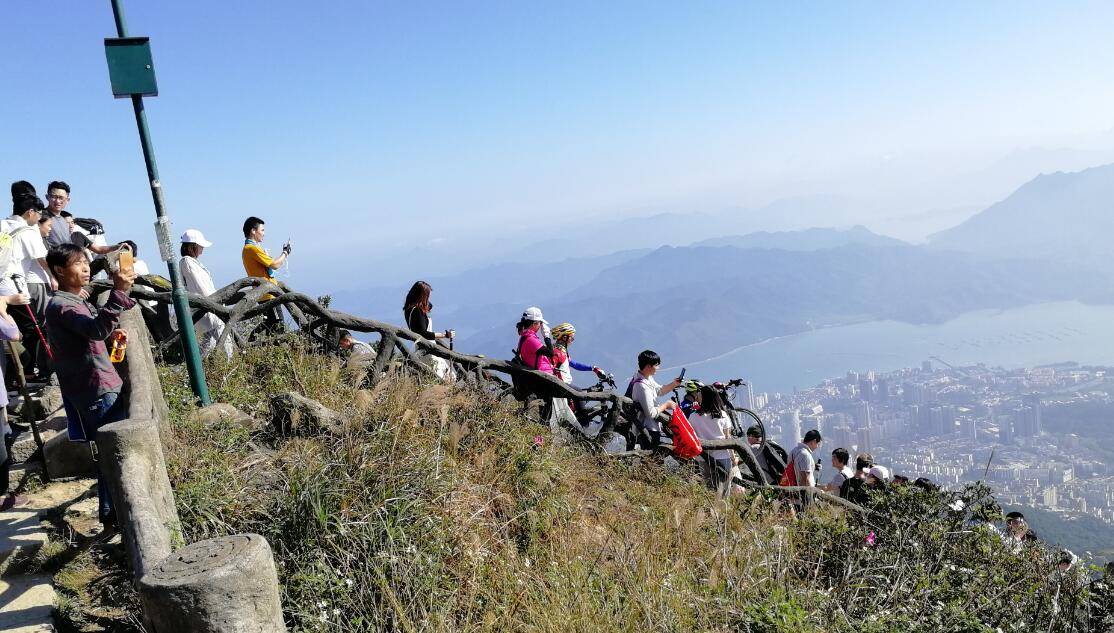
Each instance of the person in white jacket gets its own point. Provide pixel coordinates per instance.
(712, 423)
(199, 281)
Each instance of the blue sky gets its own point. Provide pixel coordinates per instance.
(373, 126)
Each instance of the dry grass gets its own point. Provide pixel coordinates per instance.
(436, 510)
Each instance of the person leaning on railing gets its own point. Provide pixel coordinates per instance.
(199, 281)
(415, 310)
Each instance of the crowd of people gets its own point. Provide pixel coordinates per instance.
(51, 328)
(48, 257)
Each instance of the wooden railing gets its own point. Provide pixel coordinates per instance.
(244, 299)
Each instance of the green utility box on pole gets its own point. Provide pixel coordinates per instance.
(130, 68)
(132, 73)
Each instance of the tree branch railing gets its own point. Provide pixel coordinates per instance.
(251, 297)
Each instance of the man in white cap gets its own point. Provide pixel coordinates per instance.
(198, 281)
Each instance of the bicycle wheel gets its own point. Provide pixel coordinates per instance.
(745, 418)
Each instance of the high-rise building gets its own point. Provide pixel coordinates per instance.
(1033, 401)
(1005, 428)
(866, 389)
(792, 429)
(866, 437)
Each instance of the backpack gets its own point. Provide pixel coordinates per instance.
(686, 444)
(7, 245)
(524, 386)
(631, 410)
(789, 477)
(94, 227)
(775, 459)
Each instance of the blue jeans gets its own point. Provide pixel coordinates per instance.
(83, 425)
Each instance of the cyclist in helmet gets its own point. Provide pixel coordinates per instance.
(563, 336)
(690, 404)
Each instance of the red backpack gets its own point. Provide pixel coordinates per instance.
(789, 477)
(685, 443)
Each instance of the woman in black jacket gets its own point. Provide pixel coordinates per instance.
(416, 312)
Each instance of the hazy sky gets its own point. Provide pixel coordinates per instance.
(338, 120)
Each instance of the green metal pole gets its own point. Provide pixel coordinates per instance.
(182, 312)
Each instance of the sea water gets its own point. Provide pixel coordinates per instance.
(1018, 337)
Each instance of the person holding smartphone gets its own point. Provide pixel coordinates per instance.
(645, 391)
(78, 331)
(259, 263)
(416, 309)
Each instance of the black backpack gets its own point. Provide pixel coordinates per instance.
(94, 227)
(524, 386)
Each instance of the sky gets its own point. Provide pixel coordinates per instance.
(362, 129)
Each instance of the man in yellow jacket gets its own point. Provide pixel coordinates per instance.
(259, 263)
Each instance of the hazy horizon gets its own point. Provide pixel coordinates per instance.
(443, 122)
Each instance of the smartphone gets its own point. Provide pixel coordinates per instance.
(127, 261)
(682, 377)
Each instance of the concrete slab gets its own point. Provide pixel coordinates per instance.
(28, 604)
(20, 533)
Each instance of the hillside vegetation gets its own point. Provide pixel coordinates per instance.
(442, 509)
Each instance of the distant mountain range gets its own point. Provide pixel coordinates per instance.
(805, 240)
(1063, 217)
(693, 302)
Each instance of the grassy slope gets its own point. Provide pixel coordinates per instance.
(438, 510)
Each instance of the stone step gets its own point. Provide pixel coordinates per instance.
(21, 472)
(27, 604)
(21, 534)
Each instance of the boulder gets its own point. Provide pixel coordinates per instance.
(64, 458)
(220, 412)
(47, 403)
(293, 414)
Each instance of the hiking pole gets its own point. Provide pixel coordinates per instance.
(31, 313)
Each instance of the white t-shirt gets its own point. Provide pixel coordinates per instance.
(803, 463)
(712, 428)
(644, 392)
(27, 249)
(841, 476)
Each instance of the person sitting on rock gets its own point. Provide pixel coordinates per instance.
(78, 330)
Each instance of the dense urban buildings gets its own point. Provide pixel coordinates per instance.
(963, 424)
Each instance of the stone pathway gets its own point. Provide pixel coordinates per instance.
(27, 598)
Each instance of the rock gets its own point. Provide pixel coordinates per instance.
(292, 414)
(219, 585)
(64, 458)
(48, 402)
(220, 412)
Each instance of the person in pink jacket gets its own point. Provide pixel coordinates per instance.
(532, 349)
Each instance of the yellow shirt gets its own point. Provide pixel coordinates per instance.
(257, 263)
